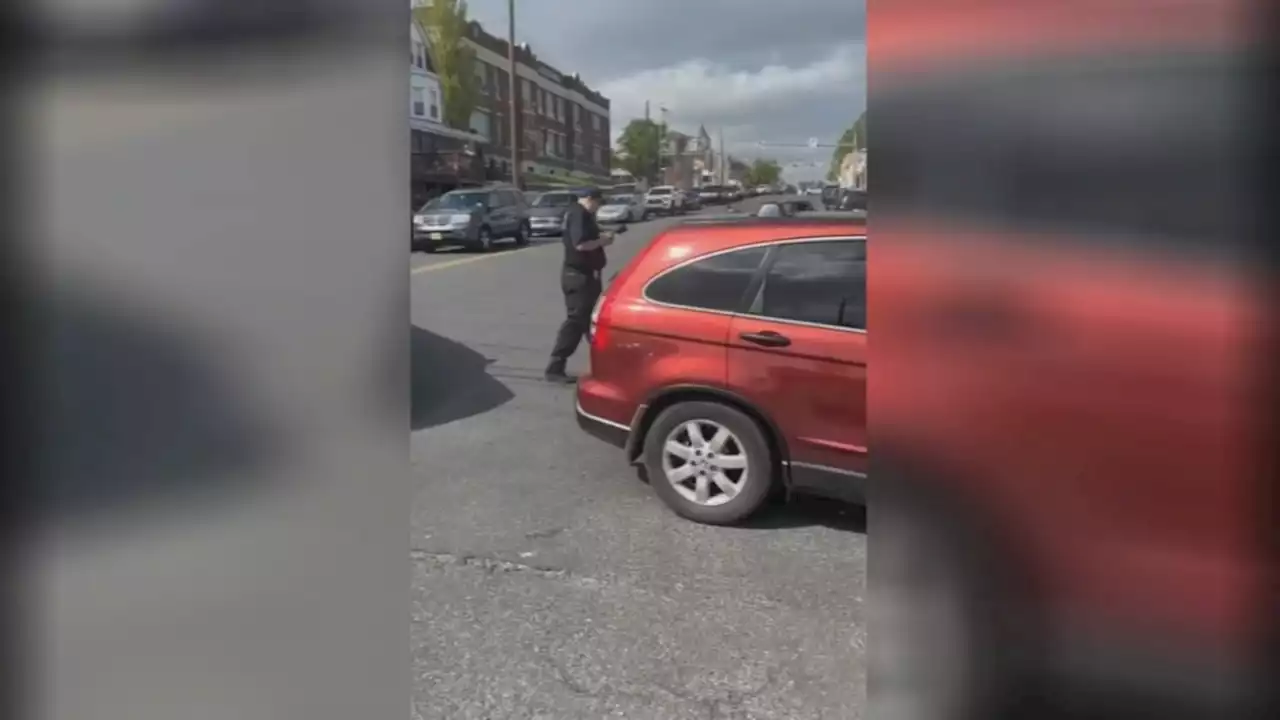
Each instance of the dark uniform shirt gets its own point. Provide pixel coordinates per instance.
(580, 227)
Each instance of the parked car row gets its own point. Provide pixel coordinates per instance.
(477, 218)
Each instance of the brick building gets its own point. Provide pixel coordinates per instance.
(563, 124)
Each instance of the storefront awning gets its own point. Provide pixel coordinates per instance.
(436, 128)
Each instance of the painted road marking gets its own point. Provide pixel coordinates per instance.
(475, 258)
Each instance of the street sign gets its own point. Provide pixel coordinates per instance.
(813, 143)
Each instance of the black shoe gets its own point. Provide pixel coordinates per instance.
(560, 377)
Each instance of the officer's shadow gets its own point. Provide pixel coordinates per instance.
(449, 381)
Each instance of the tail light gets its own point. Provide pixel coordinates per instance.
(602, 313)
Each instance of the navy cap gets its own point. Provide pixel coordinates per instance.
(593, 193)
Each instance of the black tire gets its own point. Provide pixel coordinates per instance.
(428, 246)
(646, 216)
(522, 235)
(761, 465)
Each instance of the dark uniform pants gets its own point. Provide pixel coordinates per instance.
(581, 290)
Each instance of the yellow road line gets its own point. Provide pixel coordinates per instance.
(471, 259)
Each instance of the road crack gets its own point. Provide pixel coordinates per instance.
(490, 565)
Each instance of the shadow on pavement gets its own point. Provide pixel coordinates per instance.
(806, 511)
(449, 381)
(799, 512)
(134, 416)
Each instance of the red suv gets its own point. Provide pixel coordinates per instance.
(729, 360)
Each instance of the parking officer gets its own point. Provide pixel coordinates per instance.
(584, 261)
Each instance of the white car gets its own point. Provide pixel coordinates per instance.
(664, 199)
(623, 208)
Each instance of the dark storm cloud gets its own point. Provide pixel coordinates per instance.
(773, 72)
(605, 39)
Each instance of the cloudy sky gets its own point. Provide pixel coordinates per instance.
(777, 72)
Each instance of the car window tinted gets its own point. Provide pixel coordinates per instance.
(714, 283)
(817, 282)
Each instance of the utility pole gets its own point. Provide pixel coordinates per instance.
(513, 94)
(662, 143)
(724, 161)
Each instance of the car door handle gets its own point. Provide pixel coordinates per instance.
(766, 338)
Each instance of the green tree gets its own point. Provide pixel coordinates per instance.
(855, 137)
(763, 172)
(447, 27)
(640, 145)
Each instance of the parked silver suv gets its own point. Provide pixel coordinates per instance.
(473, 218)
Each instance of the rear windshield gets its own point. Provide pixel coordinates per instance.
(660, 191)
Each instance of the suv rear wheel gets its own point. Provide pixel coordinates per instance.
(708, 462)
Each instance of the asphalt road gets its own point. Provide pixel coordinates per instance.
(547, 580)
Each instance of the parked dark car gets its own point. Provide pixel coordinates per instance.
(831, 197)
(474, 218)
(853, 200)
(547, 211)
(711, 194)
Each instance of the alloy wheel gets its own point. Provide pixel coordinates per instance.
(705, 463)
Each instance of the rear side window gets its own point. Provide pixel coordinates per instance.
(817, 282)
(718, 282)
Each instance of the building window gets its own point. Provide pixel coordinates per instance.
(597, 122)
(546, 142)
(577, 116)
(480, 123)
(481, 78)
(419, 105)
(526, 90)
(558, 145)
(435, 104)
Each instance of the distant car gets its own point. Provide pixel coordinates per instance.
(547, 211)
(831, 196)
(664, 199)
(711, 194)
(474, 218)
(764, 190)
(852, 200)
(691, 200)
(813, 190)
(623, 208)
